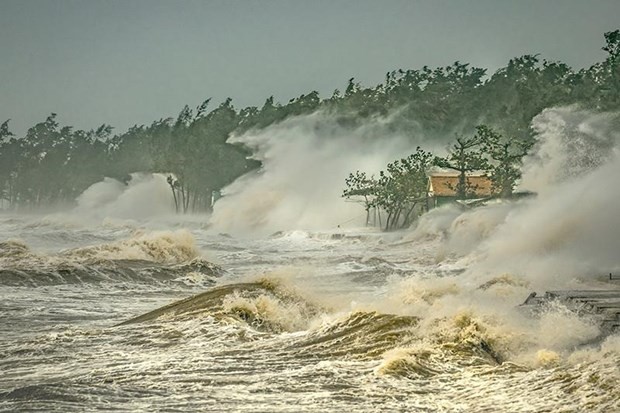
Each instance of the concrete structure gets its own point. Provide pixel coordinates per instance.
(602, 305)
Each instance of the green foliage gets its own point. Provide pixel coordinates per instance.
(399, 190)
(610, 83)
(358, 184)
(466, 155)
(504, 159)
(402, 190)
(7, 161)
(404, 187)
(5, 133)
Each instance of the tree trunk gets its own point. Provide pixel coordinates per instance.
(174, 195)
(408, 216)
(387, 221)
(186, 198)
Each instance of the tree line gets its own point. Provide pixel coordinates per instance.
(52, 164)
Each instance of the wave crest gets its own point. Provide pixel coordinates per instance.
(165, 247)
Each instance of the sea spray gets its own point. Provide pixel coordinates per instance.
(305, 161)
(570, 143)
(562, 329)
(567, 231)
(144, 196)
(433, 324)
(435, 346)
(268, 312)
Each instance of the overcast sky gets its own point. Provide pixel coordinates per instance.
(126, 62)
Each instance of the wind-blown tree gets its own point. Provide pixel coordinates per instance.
(403, 188)
(5, 133)
(464, 156)
(214, 163)
(400, 190)
(45, 150)
(130, 152)
(271, 112)
(172, 149)
(8, 161)
(303, 104)
(436, 101)
(448, 95)
(53, 163)
(598, 87)
(360, 185)
(85, 161)
(195, 151)
(505, 157)
(610, 73)
(520, 91)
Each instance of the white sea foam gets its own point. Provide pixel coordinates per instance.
(166, 247)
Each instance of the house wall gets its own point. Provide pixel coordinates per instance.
(443, 200)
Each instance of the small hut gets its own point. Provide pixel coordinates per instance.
(442, 187)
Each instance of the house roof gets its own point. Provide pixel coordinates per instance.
(444, 184)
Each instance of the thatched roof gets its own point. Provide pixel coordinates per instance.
(444, 184)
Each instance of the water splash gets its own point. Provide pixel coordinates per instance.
(144, 196)
(571, 143)
(305, 161)
(568, 232)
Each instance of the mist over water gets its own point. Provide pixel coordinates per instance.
(568, 230)
(561, 238)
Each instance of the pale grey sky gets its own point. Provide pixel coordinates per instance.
(126, 62)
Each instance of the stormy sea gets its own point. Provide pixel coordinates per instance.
(285, 300)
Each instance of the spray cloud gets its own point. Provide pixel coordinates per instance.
(145, 196)
(305, 161)
(570, 229)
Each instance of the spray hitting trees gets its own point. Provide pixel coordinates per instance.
(401, 192)
(52, 164)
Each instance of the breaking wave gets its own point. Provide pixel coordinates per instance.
(165, 247)
(145, 257)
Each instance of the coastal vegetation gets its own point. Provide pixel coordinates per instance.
(402, 190)
(489, 114)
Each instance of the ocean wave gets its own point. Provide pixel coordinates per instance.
(264, 305)
(195, 272)
(145, 257)
(13, 248)
(165, 247)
